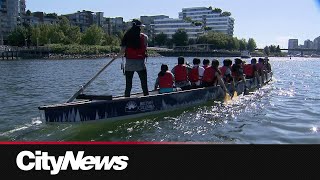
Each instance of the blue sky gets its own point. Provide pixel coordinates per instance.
(267, 21)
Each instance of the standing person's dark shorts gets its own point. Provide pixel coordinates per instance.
(134, 47)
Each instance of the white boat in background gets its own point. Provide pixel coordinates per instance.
(245, 54)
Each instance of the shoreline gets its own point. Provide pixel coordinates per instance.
(53, 56)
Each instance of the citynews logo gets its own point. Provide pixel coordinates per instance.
(42, 161)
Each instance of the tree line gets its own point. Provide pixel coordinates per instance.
(61, 33)
(216, 39)
(65, 34)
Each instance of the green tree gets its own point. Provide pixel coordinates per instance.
(266, 50)
(197, 23)
(188, 19)
(40, 34)
(207, 28)
(110, 40)
(93, 35)
(272, 48)
(161, 39)
(217, 10)
(191, 41)
(120, 34)
(218, 40)
(226, 13)
(28, 12)
(180, 38)
(251, 45)
(243, 45)
(64, 24)
(72, 35)
(55, 35)
(233, 43)
(17, 37)
(278, 50)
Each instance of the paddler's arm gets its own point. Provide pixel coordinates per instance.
(222, 83)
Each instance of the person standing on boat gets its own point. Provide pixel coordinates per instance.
(165, 80)
(196, 73)
(180, 73)
(134, 48)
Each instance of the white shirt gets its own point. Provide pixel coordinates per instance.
(201, 72)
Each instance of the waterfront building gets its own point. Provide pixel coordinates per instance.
(22, 7)
(10, 10)
(38, 17)
(308, 44)
(195, 21)
(170, 26)
(114, 25)
(293, 44)
(148, 21)
(316, 43)
(83, 19)
(214, 20)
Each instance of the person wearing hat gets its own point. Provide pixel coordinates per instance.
(134, 47)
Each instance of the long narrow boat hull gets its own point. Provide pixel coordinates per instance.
(135, 106)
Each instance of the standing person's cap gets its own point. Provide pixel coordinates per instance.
(138, 23)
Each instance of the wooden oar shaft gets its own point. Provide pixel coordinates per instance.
(89, 82)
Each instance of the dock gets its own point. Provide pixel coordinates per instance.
(11, 53)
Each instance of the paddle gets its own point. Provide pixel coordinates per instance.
(235, 95)
(227, 98)
(88, 83)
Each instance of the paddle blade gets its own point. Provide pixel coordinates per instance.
(235, 95)
(227, 98)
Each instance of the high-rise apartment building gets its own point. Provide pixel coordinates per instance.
(170, 26)
(208, 19)
(292, 44)
(148, 21)
(308, 44)
(9, 16)
(316, 43)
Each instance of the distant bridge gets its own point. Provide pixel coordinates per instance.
(301, 50)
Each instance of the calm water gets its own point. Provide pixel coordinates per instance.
(286, 111)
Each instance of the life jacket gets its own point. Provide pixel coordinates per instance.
(209, 75)
(260, 68)
(236, 71)
(194, 75)
(223, 70)
(206, 66)
(180, 73)
(166, 81)
(140, 53)
(248, 70)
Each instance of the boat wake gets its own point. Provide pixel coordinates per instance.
(22, 130)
